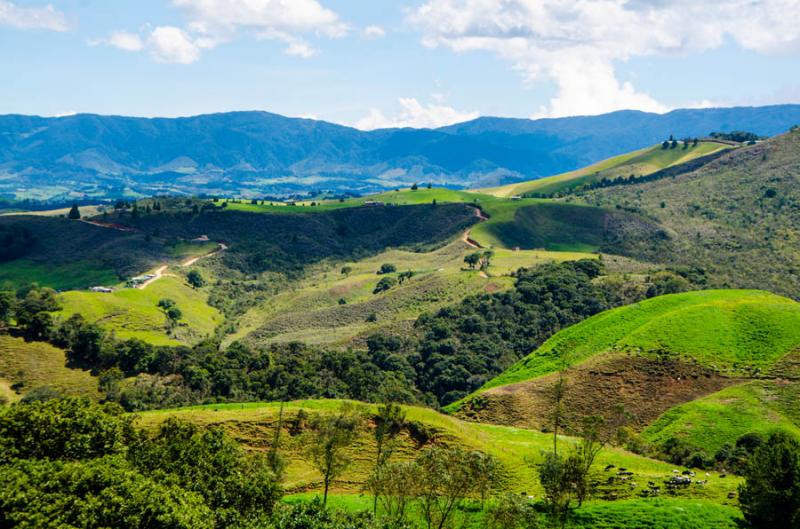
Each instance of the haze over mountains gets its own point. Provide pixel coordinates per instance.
(258, 153)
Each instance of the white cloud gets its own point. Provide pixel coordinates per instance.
(123, 40)
(169, 44)
(283, 20)
(416, 115)
(300, 49)
(576, 44)
(211, 23)
(373, 32)
(45, 17)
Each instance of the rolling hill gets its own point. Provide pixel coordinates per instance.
(639, 163)
(648, 357)
(738, 217)
(258, 153)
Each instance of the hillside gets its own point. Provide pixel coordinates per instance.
(738, 216)
(258, 153)
(648, 357)
(635, 164)
(253, 425)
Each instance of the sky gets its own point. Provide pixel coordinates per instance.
(384, 63)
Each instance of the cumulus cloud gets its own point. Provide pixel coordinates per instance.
(211, 23)
(415, 115)
(373, 32)
(285, 21)
(577, 44)
(169, 44)
(43, 17)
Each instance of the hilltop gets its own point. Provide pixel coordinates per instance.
(737, 216)
(257, 153)
(637, 164)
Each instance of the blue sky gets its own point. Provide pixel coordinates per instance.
(395, 62)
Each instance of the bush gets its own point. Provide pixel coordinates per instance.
(770, 496)
(387, 268)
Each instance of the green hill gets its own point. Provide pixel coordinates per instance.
(28, 365)
(733, 331)
(648, 357)
(725, 416)
(133, 313)
(639, 163)
(737, 216)
(518, 450)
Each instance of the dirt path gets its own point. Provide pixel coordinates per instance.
(472, 243)
(109, 225)
(159, 273)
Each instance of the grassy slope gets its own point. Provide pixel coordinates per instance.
(640, 163)
(752, 245)
(517, 449)
(37, 364)
(723, 417)
(310, 310)
(729, 330)
(527, 224)
(132, 313)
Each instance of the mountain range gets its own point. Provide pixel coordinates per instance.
(88, 156)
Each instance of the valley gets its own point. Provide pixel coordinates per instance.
(655, 293)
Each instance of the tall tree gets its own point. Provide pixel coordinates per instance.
(74, 213)
(327, 440)
(388, 424)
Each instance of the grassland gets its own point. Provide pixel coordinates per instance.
(133, 313)
(518, 450)
(34, 364)
(731, 331)
(310, 309)
(736, 217)
(638, 163)
(62, 276)
(723, 417)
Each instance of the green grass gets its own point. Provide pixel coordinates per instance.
(662, 513)
(64, 276)
(723, 417)
(309, 310)
(35, 364)
(639, 163)
(732, 331)
(517, 449)
(133, 313)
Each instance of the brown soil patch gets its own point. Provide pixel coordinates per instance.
(645, 388)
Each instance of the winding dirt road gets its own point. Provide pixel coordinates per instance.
(472, 243)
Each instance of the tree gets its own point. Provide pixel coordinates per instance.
(346, 270)
(473, 259)
(408, 274)
(171, 311)
(446, 477)
(384, 284)
(388, 424)
(430, 186)
(7, 302)
(770, 496)
(74, 213)
(414, 186)
(276, 461)
(195, 279)
(387, 268)
(395, 488)
(328, 438)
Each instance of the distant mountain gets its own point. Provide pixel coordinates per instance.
(258, 153)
